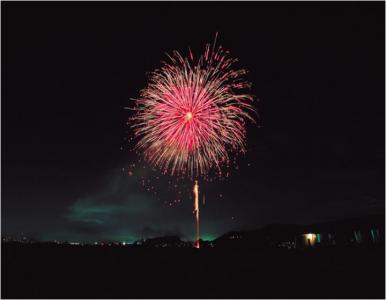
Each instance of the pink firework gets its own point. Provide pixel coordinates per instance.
(191, 116)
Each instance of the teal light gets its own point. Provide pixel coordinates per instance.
(208, 237)
(318, 237)
(372, 235)
(356, 236)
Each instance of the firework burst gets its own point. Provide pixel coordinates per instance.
(191, 116)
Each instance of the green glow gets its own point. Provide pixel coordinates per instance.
(358, 236)
(208, 237)
(92, 214)
(97, 212)
(128, 239)
(127, 221)
(318, 238)
(372, 235)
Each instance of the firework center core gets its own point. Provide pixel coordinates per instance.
(189, 116)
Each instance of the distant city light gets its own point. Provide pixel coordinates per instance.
(310, 236)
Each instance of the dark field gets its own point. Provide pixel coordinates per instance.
(38, 271)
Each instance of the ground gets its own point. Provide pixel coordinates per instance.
(37, 271)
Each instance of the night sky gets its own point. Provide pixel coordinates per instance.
(69, 70)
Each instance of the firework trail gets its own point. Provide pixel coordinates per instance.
(191, 116)
(196, 212)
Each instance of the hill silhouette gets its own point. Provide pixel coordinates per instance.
(218, 270)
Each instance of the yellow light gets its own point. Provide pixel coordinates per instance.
(310, 239)
(189, 116)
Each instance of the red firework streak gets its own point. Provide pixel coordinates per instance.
(191, 116)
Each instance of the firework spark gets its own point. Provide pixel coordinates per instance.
(191, 116)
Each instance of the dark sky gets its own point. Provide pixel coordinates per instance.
(69, 69)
